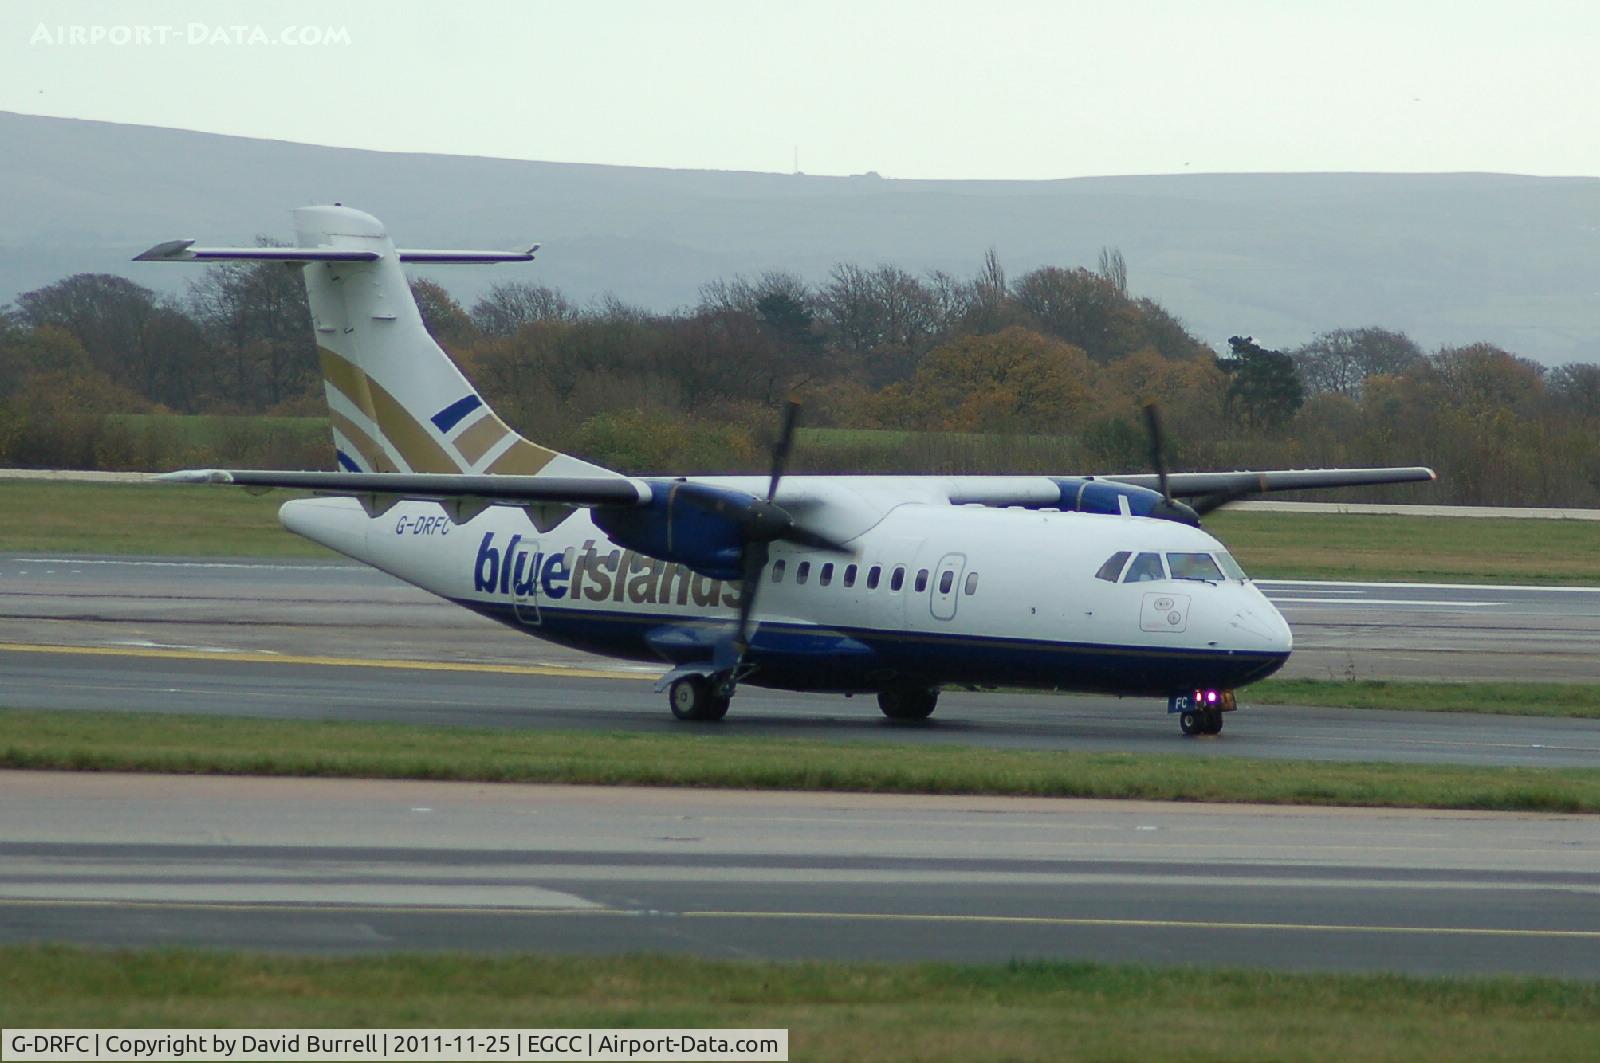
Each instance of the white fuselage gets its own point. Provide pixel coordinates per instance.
(935, 594)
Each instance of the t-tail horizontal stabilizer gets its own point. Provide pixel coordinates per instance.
(185, 251)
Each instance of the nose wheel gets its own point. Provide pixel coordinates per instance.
(1201, 721)
(1200, 713)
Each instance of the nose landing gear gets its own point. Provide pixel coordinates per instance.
(1200, 712)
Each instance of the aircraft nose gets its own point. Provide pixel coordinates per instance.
(1260, 621)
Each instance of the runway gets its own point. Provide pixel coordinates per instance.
(285, 640)
(353, 867)
(360, 866)
(1342, 630)
(465, 695)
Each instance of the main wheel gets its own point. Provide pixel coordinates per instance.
(908, 704)
(691, 699)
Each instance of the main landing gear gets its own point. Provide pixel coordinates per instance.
(908, 703)
(704, 698)
(696, 697)
(1200, 713)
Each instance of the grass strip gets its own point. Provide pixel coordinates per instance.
(1404, 549)
(1574, 700)
(170, 520)
(153, 742)
(833, 1011)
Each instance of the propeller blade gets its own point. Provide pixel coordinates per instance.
(781, 448)
(755, 563)
(1158, 447)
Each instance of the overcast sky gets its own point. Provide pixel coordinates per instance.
(924, 89)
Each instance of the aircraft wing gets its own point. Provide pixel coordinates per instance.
(560, 490)
(1198, 484)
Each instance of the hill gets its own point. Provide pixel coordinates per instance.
(1447, 258)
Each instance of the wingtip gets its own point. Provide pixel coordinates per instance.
(165, 252)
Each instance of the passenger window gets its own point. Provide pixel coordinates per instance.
(849, 575)
(802, 572)
(1194, 566)
(947, 579)
(898, 580)
(972, 583)
(777, 570)
(922, 580)
(825, 577)
(873, 575)
(1145, 567)
(1113, 567)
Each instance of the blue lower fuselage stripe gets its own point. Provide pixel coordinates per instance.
(806, 657)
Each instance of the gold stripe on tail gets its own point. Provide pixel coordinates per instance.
(369, 452)
(411, 439)
(481, 438)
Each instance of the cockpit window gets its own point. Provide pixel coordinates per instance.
(1145, 567)
(1230, 566)
(1194, 566)
(1113, 567)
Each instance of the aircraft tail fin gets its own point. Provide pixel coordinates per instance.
(396, 401)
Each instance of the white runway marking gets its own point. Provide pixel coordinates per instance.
(1376, 601)
(1310, 583)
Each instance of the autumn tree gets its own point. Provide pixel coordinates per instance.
(442, 316)
(1114, 269)
(1576, 389)
(140, 342)
(1483, 375)
(513, 304)
(1012, 380)
(882, 319)
(54, 402)
(1340, 361)
(258, 321)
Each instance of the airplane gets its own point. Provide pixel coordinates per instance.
(895, 586)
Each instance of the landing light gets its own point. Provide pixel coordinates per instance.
(1215, 699)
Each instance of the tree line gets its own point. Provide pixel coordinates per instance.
(1046, 371)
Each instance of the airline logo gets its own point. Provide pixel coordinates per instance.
(514, 566)
(461, 437)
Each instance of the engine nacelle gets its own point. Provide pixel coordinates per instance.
(696, 525)
(1088, 494)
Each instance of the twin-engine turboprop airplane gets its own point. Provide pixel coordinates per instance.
(892, 585)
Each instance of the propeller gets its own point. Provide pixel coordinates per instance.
(762, 522)
(1169, 508)
(1158, 446)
